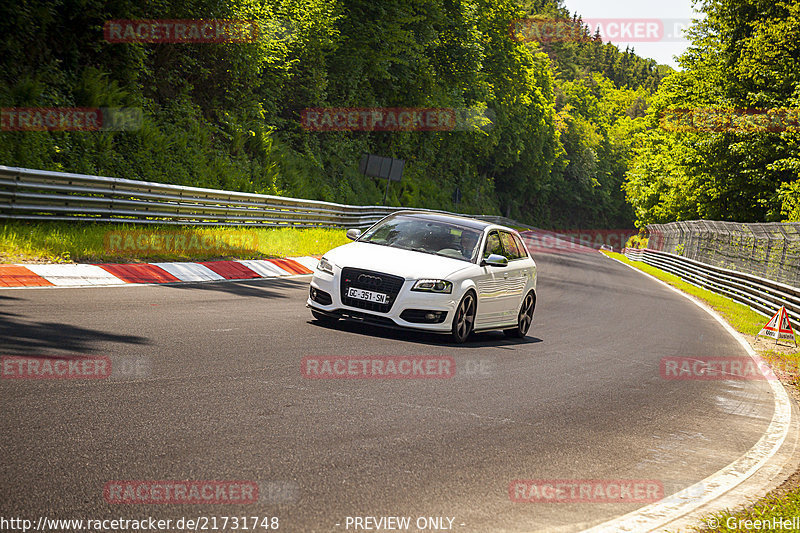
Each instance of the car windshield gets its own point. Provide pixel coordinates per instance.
(428, 236)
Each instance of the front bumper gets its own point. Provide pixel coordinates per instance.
(405, 300)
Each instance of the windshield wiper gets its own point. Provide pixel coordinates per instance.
(422, 250)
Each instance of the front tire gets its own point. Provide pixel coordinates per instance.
(464, 319)
(524, 319)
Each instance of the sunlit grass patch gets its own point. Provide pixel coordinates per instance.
(59, 242)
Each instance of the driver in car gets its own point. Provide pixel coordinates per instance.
(468, 241)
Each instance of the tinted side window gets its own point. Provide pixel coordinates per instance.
(520, 246)
(510, 246)
(493, 245)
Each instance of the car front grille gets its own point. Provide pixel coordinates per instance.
(371, 281)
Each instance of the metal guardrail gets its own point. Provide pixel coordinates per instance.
(769, 250)
(762, 295)
(44, 195)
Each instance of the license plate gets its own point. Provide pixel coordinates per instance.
(369, 296)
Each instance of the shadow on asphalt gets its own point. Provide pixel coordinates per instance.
(476, 340)
(31, 338)
(257, 288)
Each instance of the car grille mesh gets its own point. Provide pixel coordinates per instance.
(371, 281)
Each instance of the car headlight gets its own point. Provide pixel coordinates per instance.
(433, 285)
(325, 266)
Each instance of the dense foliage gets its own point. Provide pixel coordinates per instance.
(745, 55)
(228, 115)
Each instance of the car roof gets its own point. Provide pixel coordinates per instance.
(446, 218)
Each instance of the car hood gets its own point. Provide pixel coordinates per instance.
(396, 261)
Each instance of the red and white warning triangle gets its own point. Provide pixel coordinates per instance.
(778, 326)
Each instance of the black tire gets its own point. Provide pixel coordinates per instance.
(464, 318)
(325, 320)
(524, 319)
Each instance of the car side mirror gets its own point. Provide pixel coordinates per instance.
(353, 234)
(495, 260)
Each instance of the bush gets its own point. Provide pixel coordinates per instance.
(639, 241)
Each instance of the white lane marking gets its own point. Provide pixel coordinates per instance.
(190, 271)
(264, 268)
(75, 275)
(655, 515)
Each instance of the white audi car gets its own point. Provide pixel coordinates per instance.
(429, 271)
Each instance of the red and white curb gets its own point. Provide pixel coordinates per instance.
(17, 276)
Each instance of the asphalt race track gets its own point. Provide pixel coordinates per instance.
(211, 389)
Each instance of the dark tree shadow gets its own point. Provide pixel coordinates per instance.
(259, 288)
(19, 338)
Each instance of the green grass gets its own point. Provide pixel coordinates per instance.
(748, 322)
(61, 242)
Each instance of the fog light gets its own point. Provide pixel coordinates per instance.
(321, 297)
(423, 316)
